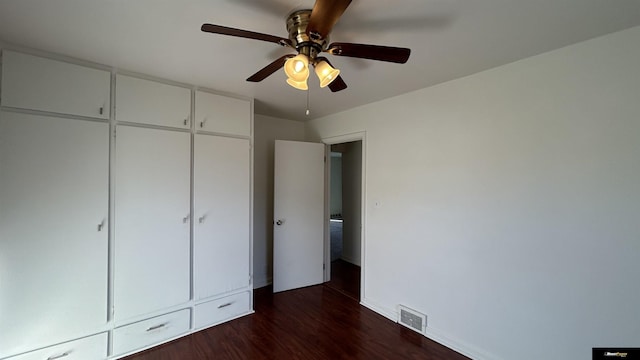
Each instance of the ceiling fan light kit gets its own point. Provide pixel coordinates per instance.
(300, 85)
(297, 68)
(326, 73)
(309, 35)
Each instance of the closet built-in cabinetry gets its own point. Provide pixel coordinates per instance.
(124, 222)
(152, 220)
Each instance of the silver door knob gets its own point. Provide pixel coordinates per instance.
(279, 222)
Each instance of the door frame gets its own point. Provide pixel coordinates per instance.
(339, 139)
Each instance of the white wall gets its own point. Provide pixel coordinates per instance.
(266, 131)
(509, 203)
(352, 201)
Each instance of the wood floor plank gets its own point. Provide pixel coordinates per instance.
(317, 322)
(345, 277)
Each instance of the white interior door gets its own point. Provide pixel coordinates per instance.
(298, 230)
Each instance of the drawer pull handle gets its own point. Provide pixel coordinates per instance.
(225, 305)
(59, 356)
(101, 110)
(156, 327)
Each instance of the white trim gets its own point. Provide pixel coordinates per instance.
(379, 309)
(463, 348)
(326, 257)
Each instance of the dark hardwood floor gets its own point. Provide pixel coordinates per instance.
(316, 322)
(345, 277)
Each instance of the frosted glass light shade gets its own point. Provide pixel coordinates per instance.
(297, 68)
(326, 73)
(300, 85)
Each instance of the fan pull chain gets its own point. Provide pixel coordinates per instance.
(307, 112)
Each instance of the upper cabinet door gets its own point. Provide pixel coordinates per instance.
(149, 102)
(36, 83)
(221, 114)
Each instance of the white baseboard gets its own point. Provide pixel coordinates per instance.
(261, 281)
(371, 305)
(433, 334)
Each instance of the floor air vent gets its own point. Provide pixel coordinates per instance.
(412, 319)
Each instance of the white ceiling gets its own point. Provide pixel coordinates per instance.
(449, 39)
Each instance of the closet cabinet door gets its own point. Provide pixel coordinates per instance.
(36, 83)
(54, 195)
(221, 114)
(149, 102)
(152, 220)
(221, 218)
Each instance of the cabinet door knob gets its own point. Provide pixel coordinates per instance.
(186, 218)
(101, 110)
(201, 219)
(101, 225)
(279, 222)
(203, 122)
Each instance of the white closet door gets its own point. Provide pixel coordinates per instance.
(221, 218)
(54, 195)
(152, 247)
(154, 103)
(36, 83)
(221, 114)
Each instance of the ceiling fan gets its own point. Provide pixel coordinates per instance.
(309, 35)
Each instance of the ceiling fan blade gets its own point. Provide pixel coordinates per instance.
(337, 84)
(223, 30)
(269, 69)
(371, 52)
(324, 15)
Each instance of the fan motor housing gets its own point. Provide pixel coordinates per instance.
(297, 23)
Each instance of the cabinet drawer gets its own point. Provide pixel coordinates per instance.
(152, 331)
(149, 102)
(36, 83)
(222, 114)
(89, 348)
(219, 310)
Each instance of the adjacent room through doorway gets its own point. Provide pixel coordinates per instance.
(345, 217)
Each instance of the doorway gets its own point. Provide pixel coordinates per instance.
(345, 217)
